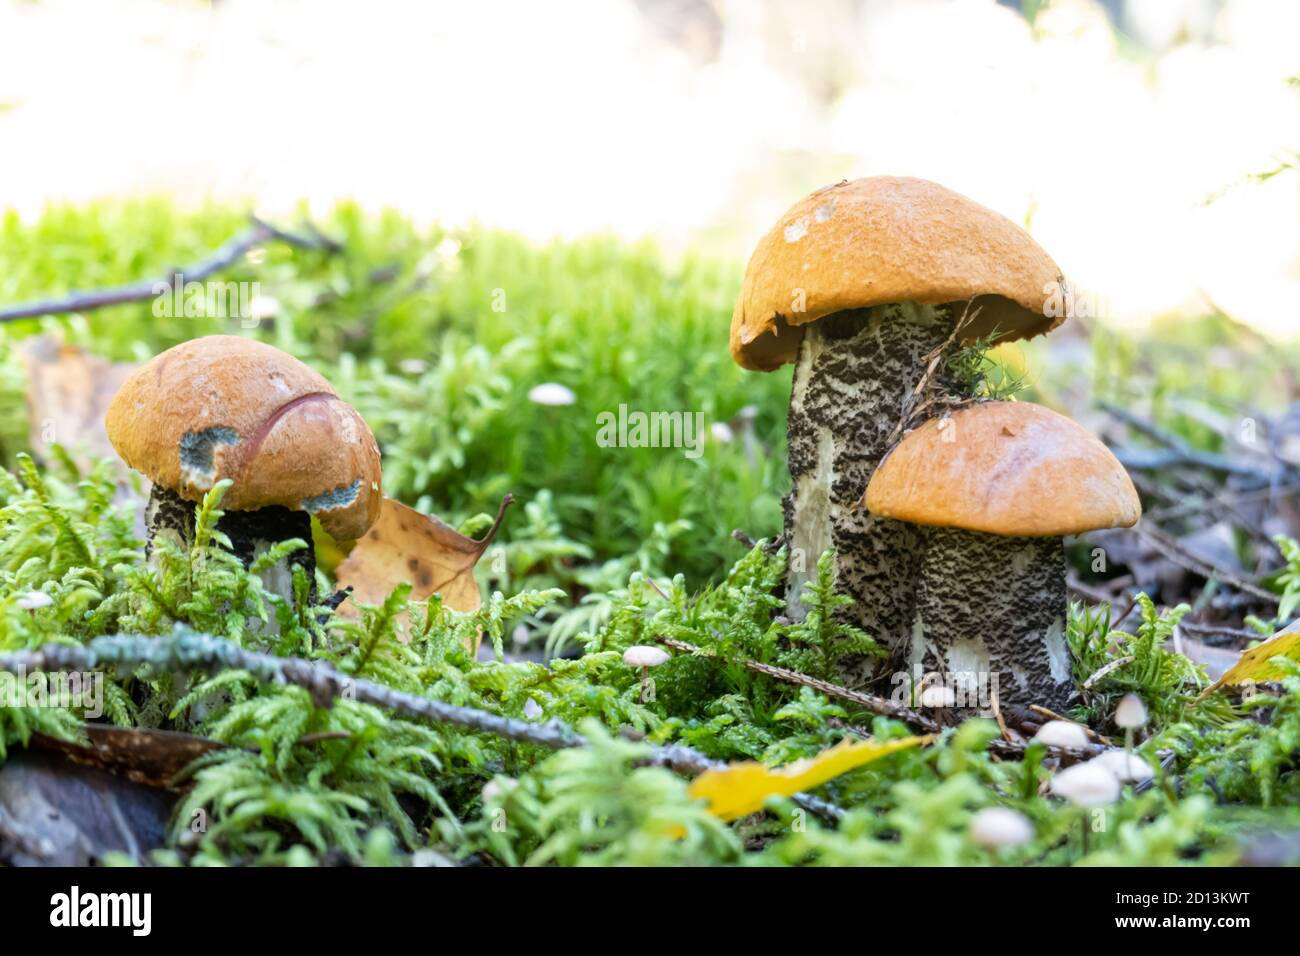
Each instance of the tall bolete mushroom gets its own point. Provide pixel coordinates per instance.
(229, 407)
(997, 485)
(861, 284)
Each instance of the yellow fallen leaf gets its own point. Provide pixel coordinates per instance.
(739, 789)
(406, 545)
(1254, 665)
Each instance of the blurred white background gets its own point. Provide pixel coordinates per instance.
(1106, 128)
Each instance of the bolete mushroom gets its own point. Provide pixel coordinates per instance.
(996, 487)
(860, 285)
(224, 406)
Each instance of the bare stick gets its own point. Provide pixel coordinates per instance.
(877, 705)
(259, 234)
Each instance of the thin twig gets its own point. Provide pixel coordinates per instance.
(877, 705)
(260, 233)
(1176, 553)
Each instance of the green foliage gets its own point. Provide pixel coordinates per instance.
(611, 548)
(1166, 681)
(977, 374)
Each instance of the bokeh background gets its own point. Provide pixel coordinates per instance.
(1150, 145)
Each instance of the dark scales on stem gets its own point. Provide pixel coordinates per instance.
(989, 604)
(855, 380)
(249, 531)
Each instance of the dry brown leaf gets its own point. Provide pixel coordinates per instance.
(150, 757)
(406, 545)
(68, 391)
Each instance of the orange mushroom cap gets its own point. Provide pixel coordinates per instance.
(1005, 468)
(224, 406)
(887, 239)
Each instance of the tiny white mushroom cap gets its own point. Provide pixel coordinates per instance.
(532, 709)
(721, 432)
(938, 695)
(1131, 713)
(34, 600)
(1127, 767)
(638, 655)
(1086, 785)
(551, 393)
(493, 790)
(1061, 733)
(996, 827)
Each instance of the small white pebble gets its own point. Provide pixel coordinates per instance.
(1131, 713)
(551, 393)
(1086, 785)
(996, 827)
(1061, 733)
(34, 600)
(641, 656)
(1127, 768)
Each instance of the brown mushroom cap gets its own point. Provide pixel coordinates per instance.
(230, 407)
(1006, 468)
(889, 239)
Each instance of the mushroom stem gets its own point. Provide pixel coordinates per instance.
(856, 372)
(991, 606)
(251, 533)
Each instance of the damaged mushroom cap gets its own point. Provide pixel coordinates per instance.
(889, 239)
(222, 407)
(1004, 468)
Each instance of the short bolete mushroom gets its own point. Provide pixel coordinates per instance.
(859, 285)
(997, 485)
(223, 407)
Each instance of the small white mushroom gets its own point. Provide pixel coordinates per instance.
(1086, 785)
(532, 709)
(551, 393)
(938, 696)
(1127, 767)
(1061, 733)
(34, 600)
(997, 827)
(496, 788)
(644, 657)
(639, 655)
(1131, 713)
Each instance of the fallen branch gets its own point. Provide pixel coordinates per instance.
(190, 650)
(259, 234)
(877, 705)
(1176, 553)
(1153, 459)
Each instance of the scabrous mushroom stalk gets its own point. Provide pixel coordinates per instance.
(990, 614)
(855, 376)
(251, 534)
